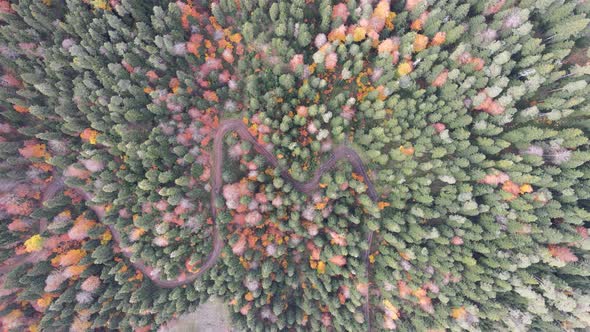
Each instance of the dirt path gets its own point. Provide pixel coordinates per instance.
(339, 153)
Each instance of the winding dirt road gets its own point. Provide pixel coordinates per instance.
(340, 152)
(230, 125)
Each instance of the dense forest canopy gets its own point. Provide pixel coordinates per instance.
(351, 165)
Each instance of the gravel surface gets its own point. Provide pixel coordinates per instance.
(212, 316)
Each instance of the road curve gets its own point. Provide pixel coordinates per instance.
(340, 152)
(225, 126)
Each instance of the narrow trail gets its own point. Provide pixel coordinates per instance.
(339, 152)
(230, 125)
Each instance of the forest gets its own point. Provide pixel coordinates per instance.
(319, 165)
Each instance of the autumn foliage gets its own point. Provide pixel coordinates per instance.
(120, 208)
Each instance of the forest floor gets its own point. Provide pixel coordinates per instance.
(211, 316)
